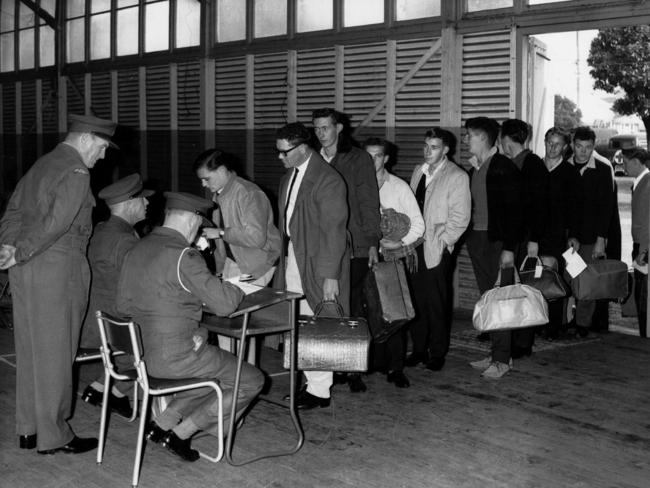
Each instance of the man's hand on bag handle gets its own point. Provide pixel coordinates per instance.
(599, 248)
(507, 259)
(330, 289)
(574, 243)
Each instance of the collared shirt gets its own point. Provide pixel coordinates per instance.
(474, 161)
(291, 199)
(639, 178)
(426, 170)
(325, 156)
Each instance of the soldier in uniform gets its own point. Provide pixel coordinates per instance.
(44, 234)
(111, 240)
(164, 285)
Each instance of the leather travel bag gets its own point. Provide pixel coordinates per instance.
(510, 307)
(328, 341)
(550, 283)
(603, 278)
(389, 299)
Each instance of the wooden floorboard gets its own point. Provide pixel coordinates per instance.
(575, 414)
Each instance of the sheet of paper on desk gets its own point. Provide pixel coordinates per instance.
(244, 286)
(574, 263)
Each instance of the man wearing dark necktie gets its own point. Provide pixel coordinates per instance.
(314, 214)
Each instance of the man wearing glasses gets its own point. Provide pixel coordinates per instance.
(313, 218)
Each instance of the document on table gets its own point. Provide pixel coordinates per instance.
(243, 282)
(574, 263)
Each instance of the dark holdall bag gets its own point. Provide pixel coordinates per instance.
(603, 278)
(389, 299)
(550, 283)
(329, 341)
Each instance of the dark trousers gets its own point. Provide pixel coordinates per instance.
(358, 272)
(641, 298)
(389, 355)
(431, 328)
(485, 256)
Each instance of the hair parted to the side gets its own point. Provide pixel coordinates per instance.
(488, 126)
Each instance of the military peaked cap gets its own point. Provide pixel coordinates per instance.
(190, 203)
(87, 123)
(124, 189)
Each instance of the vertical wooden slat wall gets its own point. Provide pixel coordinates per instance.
(190, 140)
(158, 117)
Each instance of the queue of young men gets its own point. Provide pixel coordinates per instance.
(510, 207)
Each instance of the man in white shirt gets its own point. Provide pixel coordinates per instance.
(313, 221)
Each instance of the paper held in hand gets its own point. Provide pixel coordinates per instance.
(574, 262)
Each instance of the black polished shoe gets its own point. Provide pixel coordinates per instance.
(340, 378)
(581, 332)
(356, 384)
(307, 401)
(76, 446)
(415, 358)
(435, 364)
(154, 433)
(27, 441)
(399, 379)
(180, 447)
(119, 405)
(483, 337)
(520, 352)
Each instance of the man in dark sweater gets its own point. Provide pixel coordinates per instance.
(534, 194)
(494, 235)
(594, 212)
(358, 170)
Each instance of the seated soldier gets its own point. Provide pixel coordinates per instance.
(111, 240)
(163, 286)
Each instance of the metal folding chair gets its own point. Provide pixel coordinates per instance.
(123, 335)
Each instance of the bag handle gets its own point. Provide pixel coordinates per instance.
(538, 260)
(514, 270)
(337, 306)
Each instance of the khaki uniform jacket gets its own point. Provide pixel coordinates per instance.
(163, 285)
(109, 244)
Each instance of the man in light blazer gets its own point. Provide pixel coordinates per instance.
(313, 220)
(636, 162)
(442, 191)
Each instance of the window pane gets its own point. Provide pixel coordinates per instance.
(231, 20)
(476, 5)
(156, 28)
(7, 16)
(362, 12)
(27, 17)
(75, 41)
(315, 15)
(127, 31)
(188, 23)
(49, 6)
(100, 6)
(26, 50)
(100, 36)
(537, 2)
(7, 52)
(76, 8)
(126, 3)
(416, 9)
(46, 46)
(270, 18)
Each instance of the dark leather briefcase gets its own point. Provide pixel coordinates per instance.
(328, 343)
(389, 299)
(604, 278)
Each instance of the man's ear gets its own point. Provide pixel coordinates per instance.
(339, 128)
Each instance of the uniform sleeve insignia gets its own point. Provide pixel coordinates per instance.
(81, 171)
